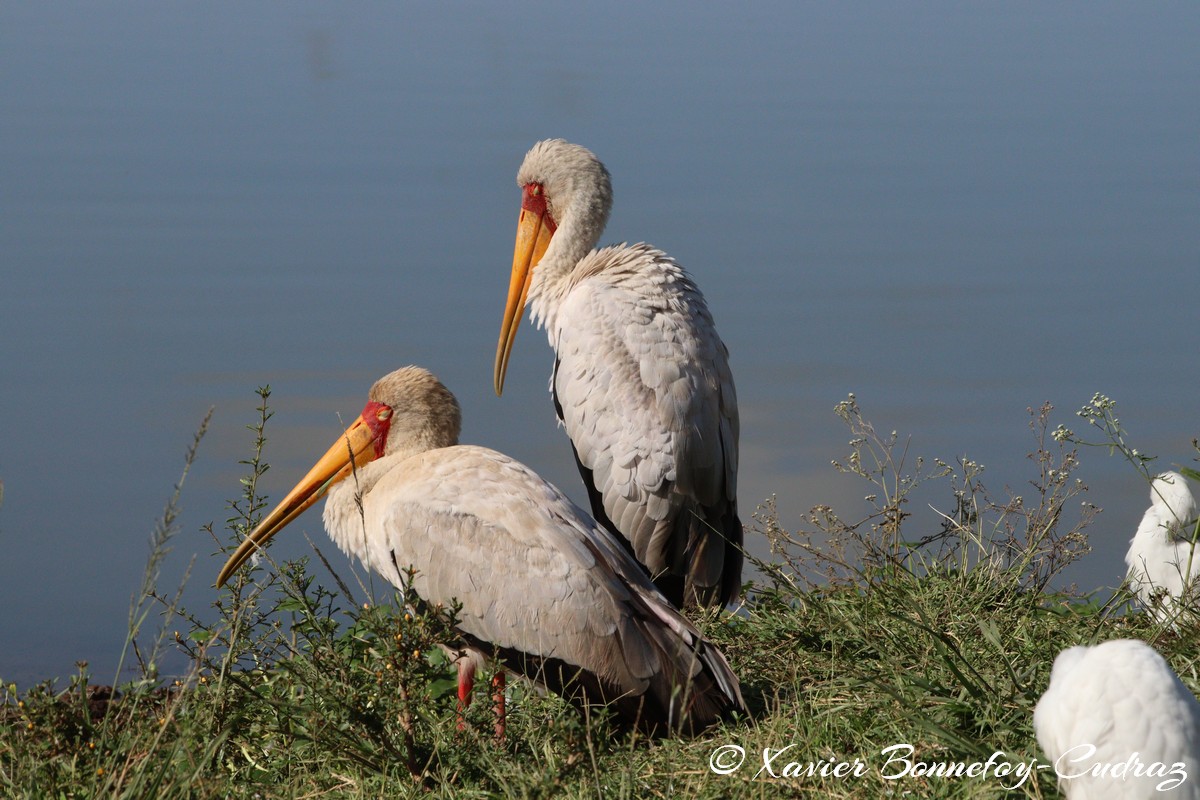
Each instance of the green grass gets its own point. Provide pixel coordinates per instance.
(860, 634)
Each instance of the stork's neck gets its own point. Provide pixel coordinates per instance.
(346, 504)
(577, 234)
(344, 512)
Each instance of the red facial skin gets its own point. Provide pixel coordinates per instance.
(533, 198)
(379, 419)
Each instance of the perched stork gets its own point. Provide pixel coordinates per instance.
(641, 381)
(1160, 558)
(544, 589)
(1116, 723)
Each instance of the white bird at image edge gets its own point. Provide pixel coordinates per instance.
(1160, 553)
(1118, 724)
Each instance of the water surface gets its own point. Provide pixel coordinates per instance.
(954, 211)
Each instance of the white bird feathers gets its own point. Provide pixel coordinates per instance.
(1160, 558)
(1117, 724)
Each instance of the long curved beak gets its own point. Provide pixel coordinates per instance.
(353, 449)
(534, 231)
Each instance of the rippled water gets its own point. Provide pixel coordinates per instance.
(954, 211)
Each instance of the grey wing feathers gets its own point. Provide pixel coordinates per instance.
(543, 585)
(644, 391)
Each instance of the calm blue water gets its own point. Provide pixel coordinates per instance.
(955, 211)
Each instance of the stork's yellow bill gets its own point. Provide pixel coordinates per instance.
(362, 442)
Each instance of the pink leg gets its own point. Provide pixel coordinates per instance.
(466, 682)
(498, 697)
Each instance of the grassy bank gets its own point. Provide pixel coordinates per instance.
(860, 635)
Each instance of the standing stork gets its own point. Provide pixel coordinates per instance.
(641, 380)
(548, 592)
(1161, 560)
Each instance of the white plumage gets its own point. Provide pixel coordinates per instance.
(1117, 724)
(543, 588)
(1160, 558)
(641, 380)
